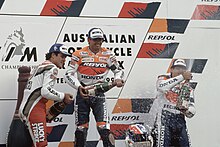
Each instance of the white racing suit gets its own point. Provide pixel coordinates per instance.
(38, 90)
(170, 125)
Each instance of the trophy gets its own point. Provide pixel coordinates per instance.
(184, 96)
(94, 90)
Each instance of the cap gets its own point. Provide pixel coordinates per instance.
(178, 62)
(57, 47)
(95, 33)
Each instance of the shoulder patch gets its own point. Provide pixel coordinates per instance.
(103, 59)
(84, 53)
(75, 58)
(55, 71)
(88, 59)
(108, 52)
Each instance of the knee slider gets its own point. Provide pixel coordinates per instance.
(106, 135)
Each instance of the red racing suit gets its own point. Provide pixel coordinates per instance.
(170, 127)
(38, 90)
(90, 69)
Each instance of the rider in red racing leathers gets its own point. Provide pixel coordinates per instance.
(92, 64)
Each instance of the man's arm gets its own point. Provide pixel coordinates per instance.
(165, 85)
(118, 72)
(47, 90)
(70, 73)
(191, 111)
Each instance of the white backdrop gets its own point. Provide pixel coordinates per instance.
(194, 26)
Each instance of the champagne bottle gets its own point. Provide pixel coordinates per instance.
(184, 96)
(55, 110)
(93, 90)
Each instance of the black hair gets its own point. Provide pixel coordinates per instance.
(48, 55)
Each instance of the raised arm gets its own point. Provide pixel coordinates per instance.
(118, 72)
(164, 84)
(70, 73)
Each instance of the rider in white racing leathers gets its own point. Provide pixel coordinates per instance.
(170, 127)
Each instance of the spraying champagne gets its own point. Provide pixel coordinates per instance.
(94, 90)
(184, 96)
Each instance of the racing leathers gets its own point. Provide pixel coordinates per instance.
(170, 126)
(38, 90)
(91, 68)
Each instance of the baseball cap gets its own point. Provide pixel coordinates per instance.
(178, 62)
(57, 47)
(95, 33)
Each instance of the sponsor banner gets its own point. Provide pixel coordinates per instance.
(103, 8)
(163, 37)
(157, 50)
(25, 39)
(123, 8)
(122, 39)
(63, 8)
(169, 25)
(24, 7)
(206, 12)
(24, 42)
(127, 118)
(139, 10)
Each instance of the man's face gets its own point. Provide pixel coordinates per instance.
(95, 44)
(59, 60)
(177, 70)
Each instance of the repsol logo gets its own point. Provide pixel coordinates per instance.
(161, 37)
(92, 77)
(58, 119)
(167, 83)
(124, 118)
(98, 65)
